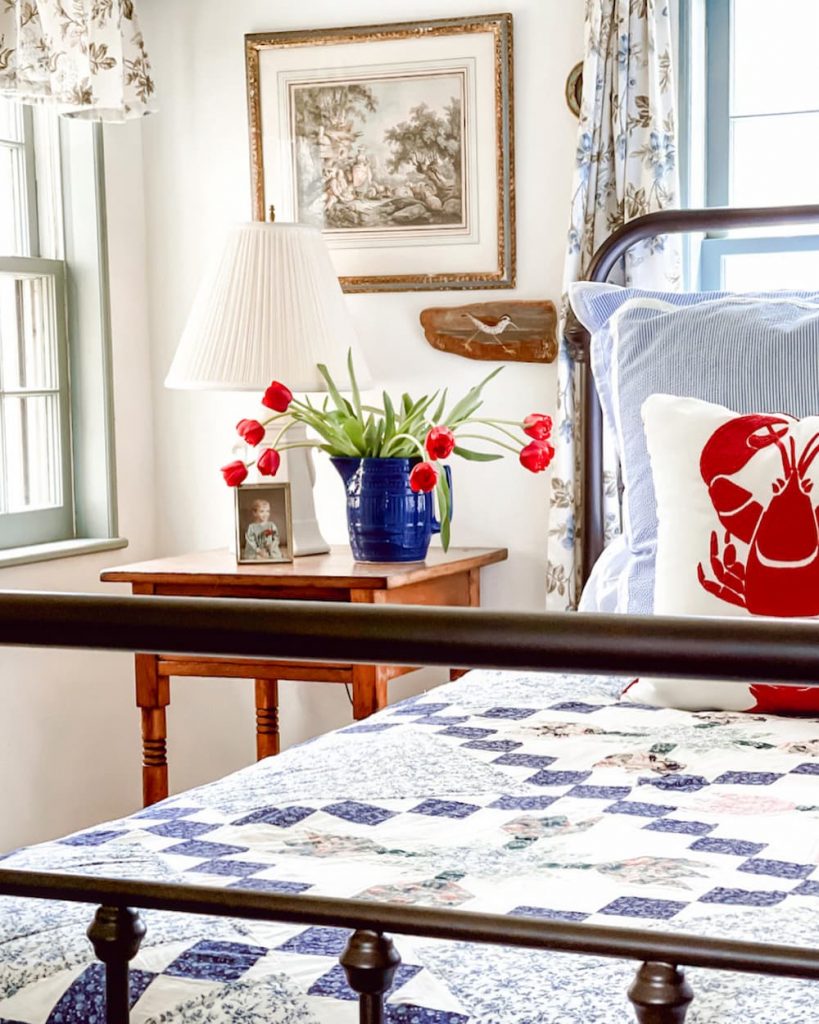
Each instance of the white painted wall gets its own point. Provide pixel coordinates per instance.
(68, 729)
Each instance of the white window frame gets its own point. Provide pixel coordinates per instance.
(88, 521)
(41, 525)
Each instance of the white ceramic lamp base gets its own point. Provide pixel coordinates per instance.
(307, 538)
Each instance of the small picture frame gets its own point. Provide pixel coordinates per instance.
(264, 524)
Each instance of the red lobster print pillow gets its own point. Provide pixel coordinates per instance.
(738, 513)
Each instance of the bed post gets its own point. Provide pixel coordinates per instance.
(116, 934)
(592, 523)
(660, 994)
(370, 960)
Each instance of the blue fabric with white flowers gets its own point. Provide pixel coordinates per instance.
(515, 794)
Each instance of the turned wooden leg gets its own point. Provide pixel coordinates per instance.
(369, 689)
(267, 718)
(152, 697)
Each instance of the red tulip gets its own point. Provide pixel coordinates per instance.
(536, 456)
(278, 397)
(538, 425)
(440, 442)
(268, 462)
(251, 431)
(423, 477)
(234, 473)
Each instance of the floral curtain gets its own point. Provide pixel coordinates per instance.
(87, 56)
(625, 166)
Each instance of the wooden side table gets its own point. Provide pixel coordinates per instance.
(451, 578)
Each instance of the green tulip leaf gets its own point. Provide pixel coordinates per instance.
(471, 456)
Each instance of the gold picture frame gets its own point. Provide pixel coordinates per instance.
(335, 119)
(263, 536)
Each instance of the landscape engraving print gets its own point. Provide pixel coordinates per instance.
(382, 155)
(396, 142)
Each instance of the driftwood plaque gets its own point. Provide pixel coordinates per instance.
(523, 332)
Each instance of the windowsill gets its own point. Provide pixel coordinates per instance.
(59, 549)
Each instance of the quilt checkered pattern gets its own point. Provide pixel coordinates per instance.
(512, 794)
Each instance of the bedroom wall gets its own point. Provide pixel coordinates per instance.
(197, 184)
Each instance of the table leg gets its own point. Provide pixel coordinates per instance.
(152, 697)
(369, 689)
(267, 718)
(474, 602)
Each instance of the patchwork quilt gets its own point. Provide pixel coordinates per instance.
(517, 794)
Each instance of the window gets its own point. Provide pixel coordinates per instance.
(761, 138)
(56, 489)
(35, 476)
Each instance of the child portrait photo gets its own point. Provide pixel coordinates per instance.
(263, 523)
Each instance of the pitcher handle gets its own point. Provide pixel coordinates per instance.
(436, 523)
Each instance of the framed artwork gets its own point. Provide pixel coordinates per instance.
(264, 524)
(397, 142)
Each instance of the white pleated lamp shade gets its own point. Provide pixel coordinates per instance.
(270, 308)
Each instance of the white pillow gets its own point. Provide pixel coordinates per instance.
(738, 534)
(606, 587)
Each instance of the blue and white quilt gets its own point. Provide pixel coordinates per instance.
(506, 793)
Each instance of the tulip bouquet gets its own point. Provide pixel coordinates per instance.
(426, 428)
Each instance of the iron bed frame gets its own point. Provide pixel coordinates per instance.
(782, 652)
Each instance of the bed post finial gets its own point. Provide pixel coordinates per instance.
(370, 960)
(660, 994)
(576, 338)
(116, 934)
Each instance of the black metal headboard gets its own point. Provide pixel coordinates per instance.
(667, 222)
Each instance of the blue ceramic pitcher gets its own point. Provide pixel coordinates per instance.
(386, 519)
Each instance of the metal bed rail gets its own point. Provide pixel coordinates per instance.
(728, 648)
(724, 649)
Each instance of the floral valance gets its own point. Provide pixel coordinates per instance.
(87, 56)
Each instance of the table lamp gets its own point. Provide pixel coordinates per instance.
(270, 308)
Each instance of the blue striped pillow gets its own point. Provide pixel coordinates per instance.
(751, 353)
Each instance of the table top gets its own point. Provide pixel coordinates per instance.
(335, 569)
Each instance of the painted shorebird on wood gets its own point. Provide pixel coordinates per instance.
(502, 330)
(491, 326)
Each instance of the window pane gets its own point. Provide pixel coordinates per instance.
(771, 270)
(774, 56)
(31, 457)
(29, 397)
(44, 127)
(28, 335)
(771, 159)
(13, 208)
(11, 121)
